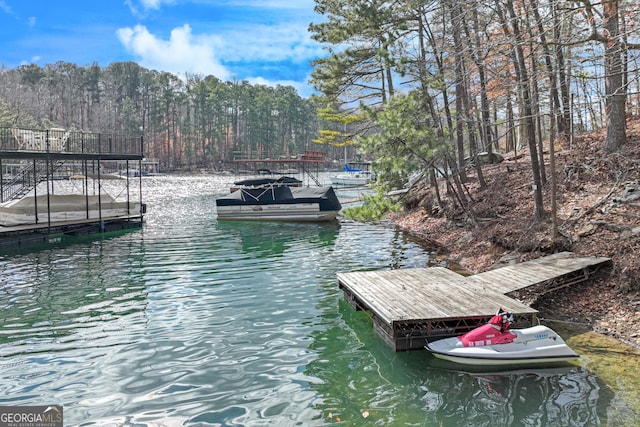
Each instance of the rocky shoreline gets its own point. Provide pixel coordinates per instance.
(598, 199)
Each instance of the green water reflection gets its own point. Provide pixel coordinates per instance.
(272, 239)
(59, 300)
(365, 383)
(195, 322)
(618, 366)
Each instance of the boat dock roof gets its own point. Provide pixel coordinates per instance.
(412, 306)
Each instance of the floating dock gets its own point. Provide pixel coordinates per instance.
(410, 307)
(21, 235)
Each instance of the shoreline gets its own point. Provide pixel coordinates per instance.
(598, 214)
(456, 248)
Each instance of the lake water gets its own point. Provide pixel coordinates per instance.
(193, 322)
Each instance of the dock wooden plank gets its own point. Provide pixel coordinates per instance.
(430, 293)
(504, 280)
(455, 297)
(427, 295)
(396, 294)
(519, 276)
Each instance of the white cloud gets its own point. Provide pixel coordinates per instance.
(183, 52)
(302, 87)
(141, 7)
(33, 60)
(270, 43)
(151, 4)
(5, 8)
(200, 54)
(257, 46)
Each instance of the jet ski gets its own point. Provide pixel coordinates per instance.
(495, 344)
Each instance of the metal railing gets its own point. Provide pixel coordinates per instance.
(31, 174)
(68, 142)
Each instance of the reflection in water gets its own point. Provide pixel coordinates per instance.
(567, 396)
(263, 238)
(54, 299)
(194, 322)
(360, 376)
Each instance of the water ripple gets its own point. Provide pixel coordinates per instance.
(194, 322)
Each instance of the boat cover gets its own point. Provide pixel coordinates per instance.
(287, 180)
(281, 194)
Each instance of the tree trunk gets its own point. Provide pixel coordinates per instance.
(565, 127)
(615, 92)
(511, 127)
(459, 77)
(523, 80)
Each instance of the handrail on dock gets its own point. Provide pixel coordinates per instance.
(62, 141)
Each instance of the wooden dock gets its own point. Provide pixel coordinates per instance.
(412, 306)
(14, 237)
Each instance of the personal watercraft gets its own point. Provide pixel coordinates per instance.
(495, 344)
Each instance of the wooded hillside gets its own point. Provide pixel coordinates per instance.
(599, 215)
(445, 80)
(416, 86)
(196, 122)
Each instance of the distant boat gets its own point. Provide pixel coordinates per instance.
(355, 174)
(133, 172)
(278, 199)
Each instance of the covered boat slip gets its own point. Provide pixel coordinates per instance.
(307, 164)
(410, 307)
(62, 144)
(57, 208)
(34, 210)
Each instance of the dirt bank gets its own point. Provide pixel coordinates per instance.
(598, 205)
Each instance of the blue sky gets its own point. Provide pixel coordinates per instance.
(261, 41)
